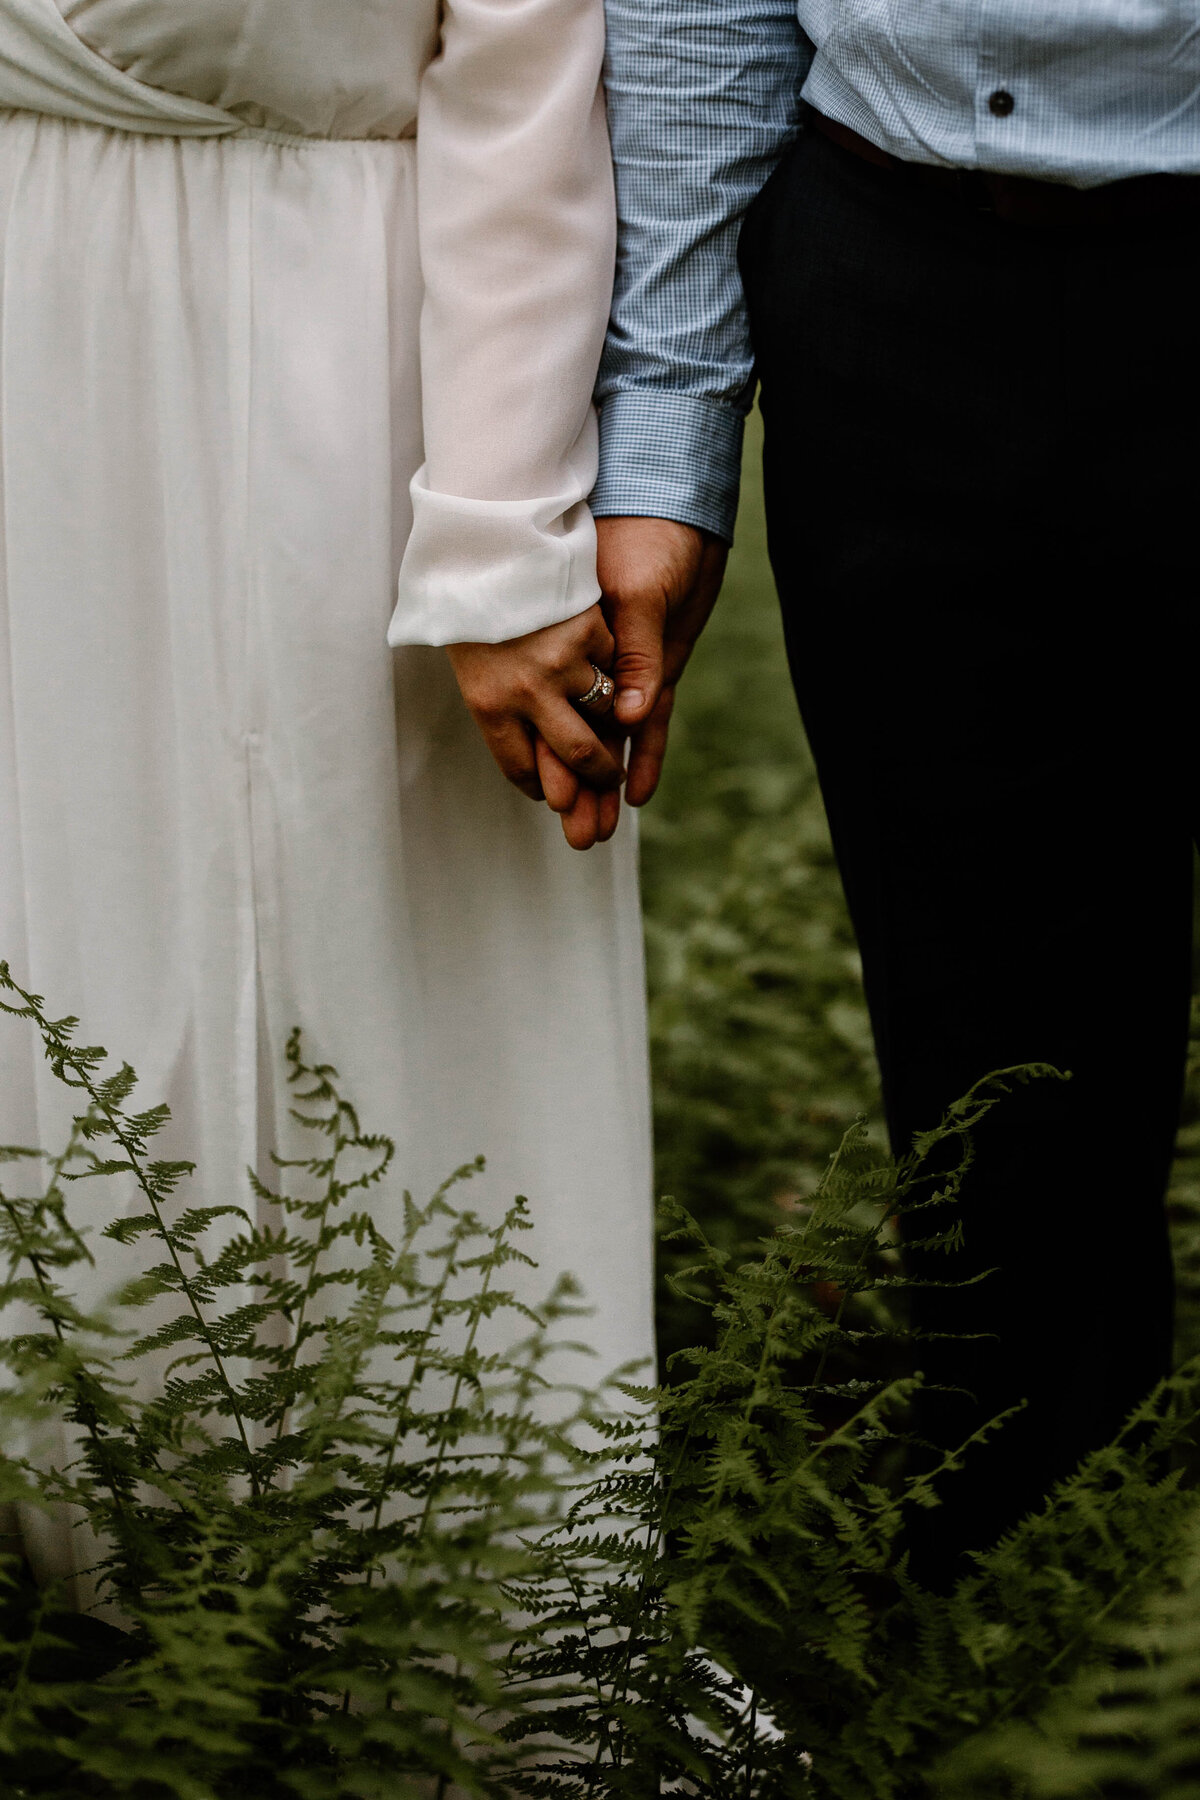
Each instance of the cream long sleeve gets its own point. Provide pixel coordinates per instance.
(517, 246)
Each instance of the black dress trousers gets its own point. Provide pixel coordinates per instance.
(981, 476)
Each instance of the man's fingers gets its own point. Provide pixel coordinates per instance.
(688, 619)
(573, 741)
(647, 568)
(639, 663)
(559, 785)
(649, 749)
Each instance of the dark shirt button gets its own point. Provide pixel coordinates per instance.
(1001, 103)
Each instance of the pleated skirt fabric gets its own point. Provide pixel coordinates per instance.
(226, 808)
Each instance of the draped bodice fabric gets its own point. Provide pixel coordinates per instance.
(513, 232)
(318, 68)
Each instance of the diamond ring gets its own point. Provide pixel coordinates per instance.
(602, 688)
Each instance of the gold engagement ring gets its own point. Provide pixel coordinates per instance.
(601, 689)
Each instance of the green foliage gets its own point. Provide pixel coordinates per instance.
(781, 1544)
(1183, 1201)
(1126, 1726)
(346, 1550)
(308, 1525)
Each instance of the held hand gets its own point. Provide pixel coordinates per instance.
(660, 582)
(521, 695)
(588, 817)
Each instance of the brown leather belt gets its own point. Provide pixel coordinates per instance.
(1024, 201)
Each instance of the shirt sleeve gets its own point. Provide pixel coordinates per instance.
(703, 98)
(517, 227)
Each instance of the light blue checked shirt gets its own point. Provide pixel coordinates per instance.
(704, 96)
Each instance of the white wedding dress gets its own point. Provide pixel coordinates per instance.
(266, 264)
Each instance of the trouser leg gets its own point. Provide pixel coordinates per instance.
(1004, 917)
(987, 644)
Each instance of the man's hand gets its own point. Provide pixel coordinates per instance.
(659, 583)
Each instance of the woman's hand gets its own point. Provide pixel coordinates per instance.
(521, 694)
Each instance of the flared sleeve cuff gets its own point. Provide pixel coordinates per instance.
(484, 571)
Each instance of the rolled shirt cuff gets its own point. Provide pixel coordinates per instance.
(484, 571)
(665, 455)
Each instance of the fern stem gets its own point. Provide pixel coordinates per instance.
(66, 1056)
(189, 1294)
(751, 1741)
(405, 1402)
(288, 1367)
(476, 1315)
(86, 1412)
(870, 1242)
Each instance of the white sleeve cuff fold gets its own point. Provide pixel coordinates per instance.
(484, 571)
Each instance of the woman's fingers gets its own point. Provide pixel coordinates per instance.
(512, 745)
(531, 687)
(593, 679)
(601, 645)
(600, 696)
(592, 819)
(581, 825)
(573, 741)
(559, 785)
(608, 808)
